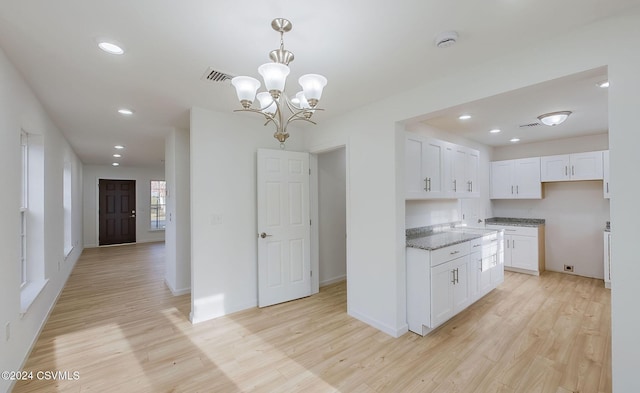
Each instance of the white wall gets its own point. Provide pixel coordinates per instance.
(143, 177)
(332, 209)
(575, 212)
(178, 214)
(375, 263)
(20, 109)
(224, 275)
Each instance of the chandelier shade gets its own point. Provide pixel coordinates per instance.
(274, 101)
(274, 76)
(246, 88)
(312, 86)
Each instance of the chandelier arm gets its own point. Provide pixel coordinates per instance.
(270, 118)
(301, 118)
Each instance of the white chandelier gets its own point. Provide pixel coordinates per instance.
(273, 101)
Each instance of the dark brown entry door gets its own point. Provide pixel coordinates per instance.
(117, 211)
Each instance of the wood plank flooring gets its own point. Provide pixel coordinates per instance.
(120, 328)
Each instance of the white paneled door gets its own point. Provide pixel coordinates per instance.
(284, 228)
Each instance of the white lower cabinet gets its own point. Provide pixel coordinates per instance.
(443, 282)
(523, 248)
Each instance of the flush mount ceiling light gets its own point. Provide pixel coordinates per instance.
(125, 111)
(554, 118)
(110, 47)
(464, 117)
(273, 101)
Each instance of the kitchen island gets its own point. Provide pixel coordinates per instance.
(447, 270)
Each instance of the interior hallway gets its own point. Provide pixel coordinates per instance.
(118, 325)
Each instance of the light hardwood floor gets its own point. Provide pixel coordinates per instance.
(118, 325)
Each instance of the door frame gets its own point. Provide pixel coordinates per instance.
(314, 214)
(97, 212)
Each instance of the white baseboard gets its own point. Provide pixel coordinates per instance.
(214, 307)
(333, 280)
(393, 332)
(177, 292)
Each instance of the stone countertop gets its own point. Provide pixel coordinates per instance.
(436, 240)
(517, 222)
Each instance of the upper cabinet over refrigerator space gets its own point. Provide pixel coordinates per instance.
(436, 169)
(568, 167)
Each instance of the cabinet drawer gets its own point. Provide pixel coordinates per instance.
(516, 230)
(445, 254)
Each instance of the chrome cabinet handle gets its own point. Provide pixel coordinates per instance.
(607, 187)
(566, 170)
(511, 190)
(454, 252)
(455, 185)
(453, 277)
(476, 245)
(263, 235)
(517, 189)
(426, 184)
(457, 276)
(572, 170)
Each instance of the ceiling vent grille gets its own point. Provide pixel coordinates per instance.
(216, 76)
(529, 125)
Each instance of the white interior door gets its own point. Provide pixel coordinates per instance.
(284, 258)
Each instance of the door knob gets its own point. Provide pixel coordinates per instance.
(263, 235)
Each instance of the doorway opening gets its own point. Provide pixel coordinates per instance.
(332, 213)
(117, 212)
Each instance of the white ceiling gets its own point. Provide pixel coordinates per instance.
(367, 49)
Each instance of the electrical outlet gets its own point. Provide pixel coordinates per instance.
(7, 331)
(568, 268)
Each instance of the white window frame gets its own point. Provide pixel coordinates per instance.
(151, 206)
(24, 198)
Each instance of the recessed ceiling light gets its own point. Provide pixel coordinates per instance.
(514, 140)
(115, 164)
(125, 111)
(117, 155)
(110, 47)
(494, 131)
(604, 84)
(464, 117)
(119, 147)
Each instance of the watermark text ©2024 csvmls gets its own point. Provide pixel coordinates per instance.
(42, 375)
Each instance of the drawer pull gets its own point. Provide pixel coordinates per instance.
(454, 252)
(476, 245)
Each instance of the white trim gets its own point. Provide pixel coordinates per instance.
(393, 332)
(207, 309)
(29, 293)
(333, 280)
(177, 292)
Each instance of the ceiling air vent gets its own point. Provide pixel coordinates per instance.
(216, 76)
(529, 125)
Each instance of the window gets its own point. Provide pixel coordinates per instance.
(32, 258)
(24, 150)
(158, 204)
(66, 203)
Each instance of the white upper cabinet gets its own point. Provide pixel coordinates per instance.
(438, 169)
(605, 174)
(579, 166)
(516, 179)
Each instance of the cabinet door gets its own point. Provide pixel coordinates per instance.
(497, 272)
(586, 166)
(481, 277)
(524, 252)
(414, 182)
(527, 176)
(507, 257)
(555, 168)
(461, 293)
(459, 164)
(501, 180)
(605, 173)
(432, 159)
(442, 278)
(471, 171)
